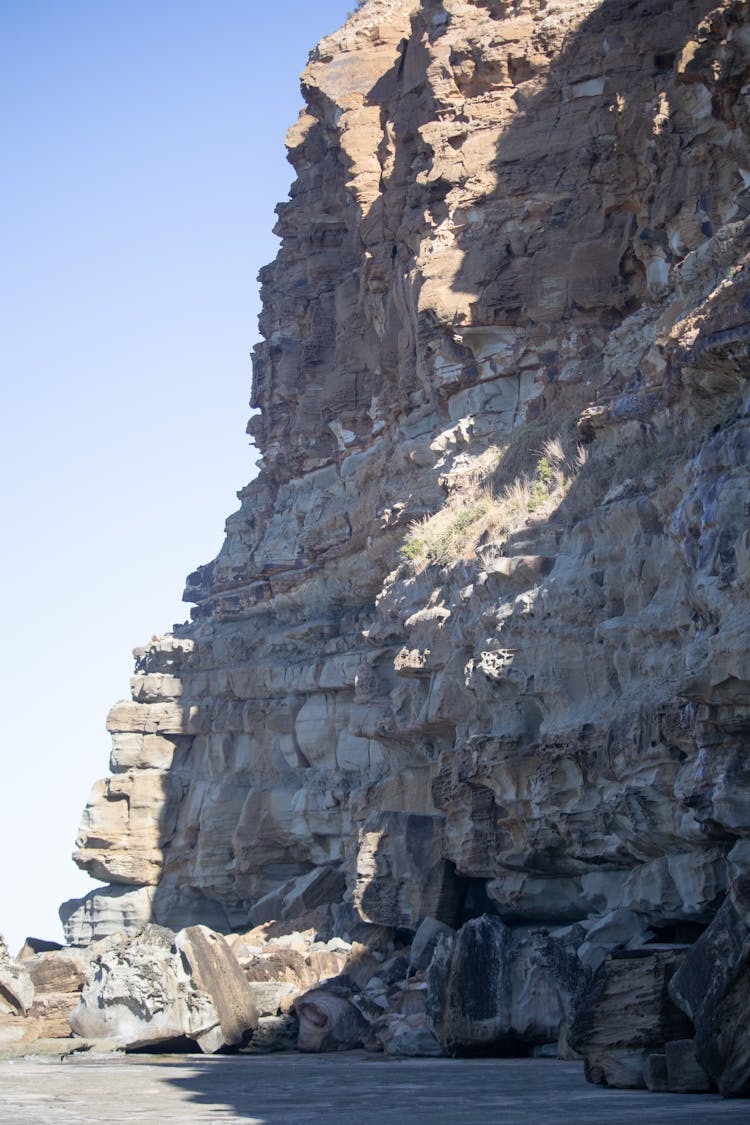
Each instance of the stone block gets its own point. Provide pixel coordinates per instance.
(401, 875)
(329, 1023)
(685, 1074)
(626, 1013)
(217, 973)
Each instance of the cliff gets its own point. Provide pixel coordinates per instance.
(476, 641)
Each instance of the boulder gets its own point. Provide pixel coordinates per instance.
(617, 930)
(217, 974)
(274, 1033)
(58, 977)
(470, 998)
(300, 896)
(626, 1013)
(159, 986)
(425, 940)
(712, 986)
(32, 946)
(328, 1022)
(685, 1075)
(16, 987)
(499, 990)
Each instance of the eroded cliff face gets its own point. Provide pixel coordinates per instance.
(511, 303)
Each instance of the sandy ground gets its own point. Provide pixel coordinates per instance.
(355, 1089)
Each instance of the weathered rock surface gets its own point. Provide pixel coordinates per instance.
(160, 987)
(16, 998)
(713, 987)
(626, 1013)
(476, 638)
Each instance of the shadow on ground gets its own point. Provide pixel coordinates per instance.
(339, 1089)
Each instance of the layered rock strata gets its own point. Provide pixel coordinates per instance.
(475, 644)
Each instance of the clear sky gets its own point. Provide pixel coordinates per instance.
(141, 157)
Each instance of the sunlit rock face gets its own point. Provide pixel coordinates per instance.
(511, 302)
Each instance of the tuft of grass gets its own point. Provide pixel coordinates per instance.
(475, 514)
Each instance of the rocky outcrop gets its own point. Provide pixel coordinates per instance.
(475, 644)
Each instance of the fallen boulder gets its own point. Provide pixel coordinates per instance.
(328, 1022)
(712, 986)
(626, 1013)
(160, 986)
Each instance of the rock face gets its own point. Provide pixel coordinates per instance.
(713, 988)
(476, 639)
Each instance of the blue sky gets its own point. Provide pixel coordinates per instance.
(142, 155)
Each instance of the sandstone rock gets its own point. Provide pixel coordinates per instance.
(618, 929)
(401, 874)
(269, 997)
(56, 971)
(215, 972)
(58, 976)
(329, 1023)
(655, 1074)
(499, 991)
(478, 629)
(105, 911)
(425, 941)
(404, 1039)
(158, 987)
(273, 1033)
(49, 1015)
(625, 1014)
(16, 986)
(32, 946)
(474, 1008)
(713, 987)
(299, 896)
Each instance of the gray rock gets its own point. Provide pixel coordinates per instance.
(406, 1040)
(158, 986)
(16, 986)
(713, 987)
(685, 1075)
(626, 1013)
(617, 930)
(425, 939)
(471, 996)
(329, 1023)
(105, 911)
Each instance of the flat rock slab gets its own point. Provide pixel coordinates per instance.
(337, 1089)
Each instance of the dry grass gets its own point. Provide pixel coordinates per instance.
(476, 514)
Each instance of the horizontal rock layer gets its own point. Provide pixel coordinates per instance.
(476, 640)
